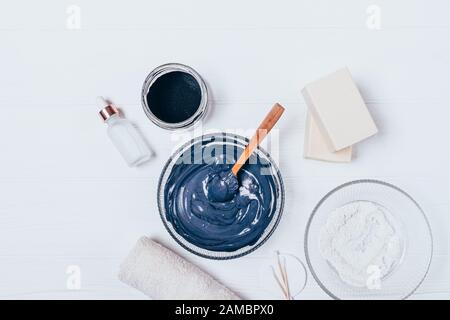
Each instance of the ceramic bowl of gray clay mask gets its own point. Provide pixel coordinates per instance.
(213, 226)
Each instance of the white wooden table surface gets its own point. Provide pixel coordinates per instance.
(68, 199)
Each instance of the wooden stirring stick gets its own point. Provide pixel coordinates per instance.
(262, 131)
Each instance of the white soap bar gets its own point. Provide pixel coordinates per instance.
(339, 110)
(316, 148)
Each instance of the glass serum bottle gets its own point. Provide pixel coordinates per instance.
(124, 135)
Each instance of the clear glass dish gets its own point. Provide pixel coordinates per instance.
(411, 223)
(238, 142)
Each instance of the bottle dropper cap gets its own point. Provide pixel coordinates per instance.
(107, 109)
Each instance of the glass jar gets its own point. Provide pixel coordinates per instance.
(155, 75)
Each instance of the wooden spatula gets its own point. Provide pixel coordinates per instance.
(264, 128)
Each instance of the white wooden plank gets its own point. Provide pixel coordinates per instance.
(261, 65)
(51, 14)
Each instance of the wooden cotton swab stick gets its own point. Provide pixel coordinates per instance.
(284, 282)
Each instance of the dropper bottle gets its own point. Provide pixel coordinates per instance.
(124, 135)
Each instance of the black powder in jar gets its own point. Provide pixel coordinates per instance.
(174, 97)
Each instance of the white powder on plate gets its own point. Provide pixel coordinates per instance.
(357, 238)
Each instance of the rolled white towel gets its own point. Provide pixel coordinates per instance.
(162, 274)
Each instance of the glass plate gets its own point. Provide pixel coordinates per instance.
(411, 223)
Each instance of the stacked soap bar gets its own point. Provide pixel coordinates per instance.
(316, 147)
(337, 118)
